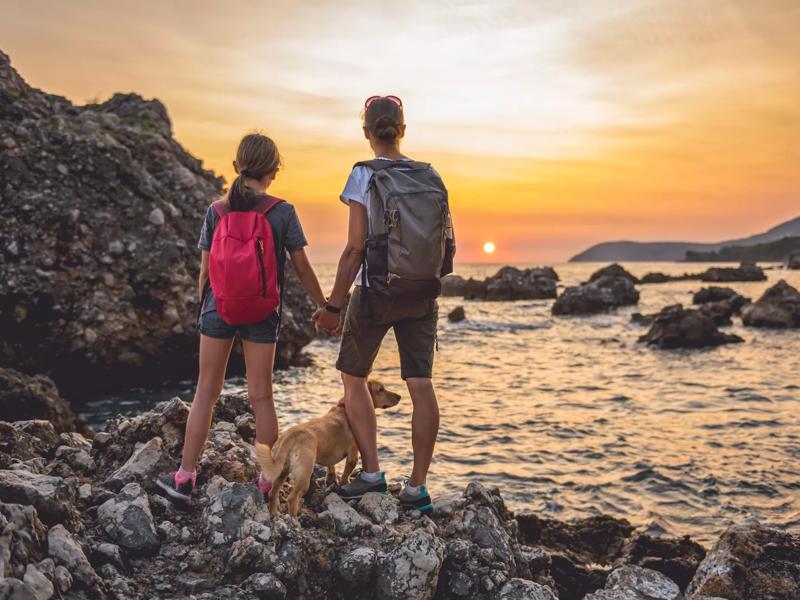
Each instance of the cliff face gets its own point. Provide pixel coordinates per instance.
(98, 261)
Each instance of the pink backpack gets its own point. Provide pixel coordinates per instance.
(242, 266)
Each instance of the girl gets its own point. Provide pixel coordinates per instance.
(257, 163)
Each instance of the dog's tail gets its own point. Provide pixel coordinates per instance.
(272, 465)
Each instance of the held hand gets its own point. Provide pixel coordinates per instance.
(328, 321)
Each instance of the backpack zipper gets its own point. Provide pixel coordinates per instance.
(260, 253)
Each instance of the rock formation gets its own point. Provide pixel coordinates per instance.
(509, 283)
(613, 270)
(603, 294)
(678, 327)
(98, 261)
(80, 519)
(778, 307)
(746, 271)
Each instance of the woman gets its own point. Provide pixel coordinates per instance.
(257, 163)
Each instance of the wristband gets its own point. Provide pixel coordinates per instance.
(332, 309)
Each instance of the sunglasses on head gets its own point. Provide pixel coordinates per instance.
(394, 99)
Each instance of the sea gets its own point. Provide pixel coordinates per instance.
(571, 416)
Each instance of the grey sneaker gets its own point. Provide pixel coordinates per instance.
(422, 503)
(358, 486)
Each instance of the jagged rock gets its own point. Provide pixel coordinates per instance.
(40, 585)
(678, 558)
(265, 586)
(342, 517)
(78, 459)
(68, 554)
(248, 555)
(746, 271)
(613, 270)
(662, 278)
(144, 464)
(18, 444)
(227, 454)
(108, 553)
(12, 588)
(635, 583)
(457, 315)
(677, 327)
(600, 295)
(521, 589)
(127, 519)
(382, 509)
(357, 567)
(410, 570)
(22, 535)
(509, 283)
(716, 294)
(228, 510)
(778, 307)
(23, 397)
(101, 276)
(62, 578)
(719, 312)
(750, 561)
(52, 496)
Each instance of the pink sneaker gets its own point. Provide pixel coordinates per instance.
(264, 486)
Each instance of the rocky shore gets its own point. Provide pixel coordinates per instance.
(98, 260)
(79, 518)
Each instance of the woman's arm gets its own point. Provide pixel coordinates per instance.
(203, 278)
(307, 276)
(352, 255)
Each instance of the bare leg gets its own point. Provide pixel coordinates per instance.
(424, 426)
(259, 360)
(213, 361)
(361, 415)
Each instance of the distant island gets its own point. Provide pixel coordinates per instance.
(776, 251)
(677, 251)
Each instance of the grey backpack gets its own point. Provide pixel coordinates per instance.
(410, 244)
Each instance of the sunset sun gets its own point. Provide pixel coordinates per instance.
(489, 247)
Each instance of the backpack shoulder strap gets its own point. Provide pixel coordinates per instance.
(379, 164)
(221, 207)
(266, 204)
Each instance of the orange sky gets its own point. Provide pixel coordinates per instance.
(554, 124)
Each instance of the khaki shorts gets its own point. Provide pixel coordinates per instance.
(414, 324)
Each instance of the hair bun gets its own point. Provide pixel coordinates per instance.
(386, 128)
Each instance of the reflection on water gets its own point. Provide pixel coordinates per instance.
(570, 416)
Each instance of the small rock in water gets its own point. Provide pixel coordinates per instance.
(778, 307)
(457, 315)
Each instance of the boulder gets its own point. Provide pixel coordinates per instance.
(635, 583)
(343, 518)
(613, 270)
(746, 271)
(12, 588)
(146, 461)
(53, 497)
(410, 570)
(509, 283)
(521, 589)
(778, 307)
(98, 270)
(227, 511)
(227, 454)
(67, 552)
(265, 586)
(40, 585)
(383, 509)
(793, 261)
(23, 397)
(719, 312)
(457, 315)
(357, 567)
(677, 558)
(677, 327)
(663, 278)
(127, 520)
(22, 536)
(600, 295)
(750, 561)
(18, 444)
(717, 294)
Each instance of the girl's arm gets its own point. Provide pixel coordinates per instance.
(203, 278)
(307, 276)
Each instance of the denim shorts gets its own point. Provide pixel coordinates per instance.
(263, 332)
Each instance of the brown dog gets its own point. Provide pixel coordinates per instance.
(324, 440)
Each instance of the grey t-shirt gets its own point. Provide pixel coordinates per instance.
(286, 231)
